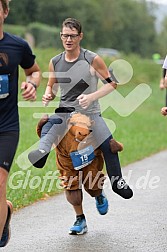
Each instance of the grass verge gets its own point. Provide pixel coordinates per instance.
(142, 131)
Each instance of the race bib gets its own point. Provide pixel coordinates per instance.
(82, 158)
(4, 86)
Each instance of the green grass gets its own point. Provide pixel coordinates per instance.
(142, 132)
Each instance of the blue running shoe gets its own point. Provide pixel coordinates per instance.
(6, 231)
(102, 204)
(79, 227)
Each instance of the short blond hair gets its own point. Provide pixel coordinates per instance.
(5, 4)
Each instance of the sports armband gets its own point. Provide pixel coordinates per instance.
(107, 80)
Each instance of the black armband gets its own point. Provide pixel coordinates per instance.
(164, 72)
(107, 80)
(33, 83)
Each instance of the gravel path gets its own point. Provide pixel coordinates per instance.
(138, 224)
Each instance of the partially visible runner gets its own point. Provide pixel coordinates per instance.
(14, 51)
(163, 80)
(163, 84)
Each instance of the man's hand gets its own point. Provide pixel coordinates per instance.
(85, 100)
(28, 91)
(46, 98)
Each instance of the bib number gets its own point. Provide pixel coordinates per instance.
(4, 86)
(82, 158)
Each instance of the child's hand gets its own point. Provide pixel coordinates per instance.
(46, 99)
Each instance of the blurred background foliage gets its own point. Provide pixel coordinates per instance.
(128, 26)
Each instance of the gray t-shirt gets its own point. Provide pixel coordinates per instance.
(75, 78)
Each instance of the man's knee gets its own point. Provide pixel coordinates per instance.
(3, 182)
(74, 197)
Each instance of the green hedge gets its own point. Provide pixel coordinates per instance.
(18, 30)
(44, 35)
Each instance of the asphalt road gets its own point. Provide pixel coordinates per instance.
(138, 224)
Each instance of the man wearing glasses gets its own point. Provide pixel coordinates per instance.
(76, 72)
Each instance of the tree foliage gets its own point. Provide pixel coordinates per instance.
(162, 39)
(124, 25)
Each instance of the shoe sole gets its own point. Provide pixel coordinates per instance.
(85, 230)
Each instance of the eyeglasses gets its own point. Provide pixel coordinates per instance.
(66, 36)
